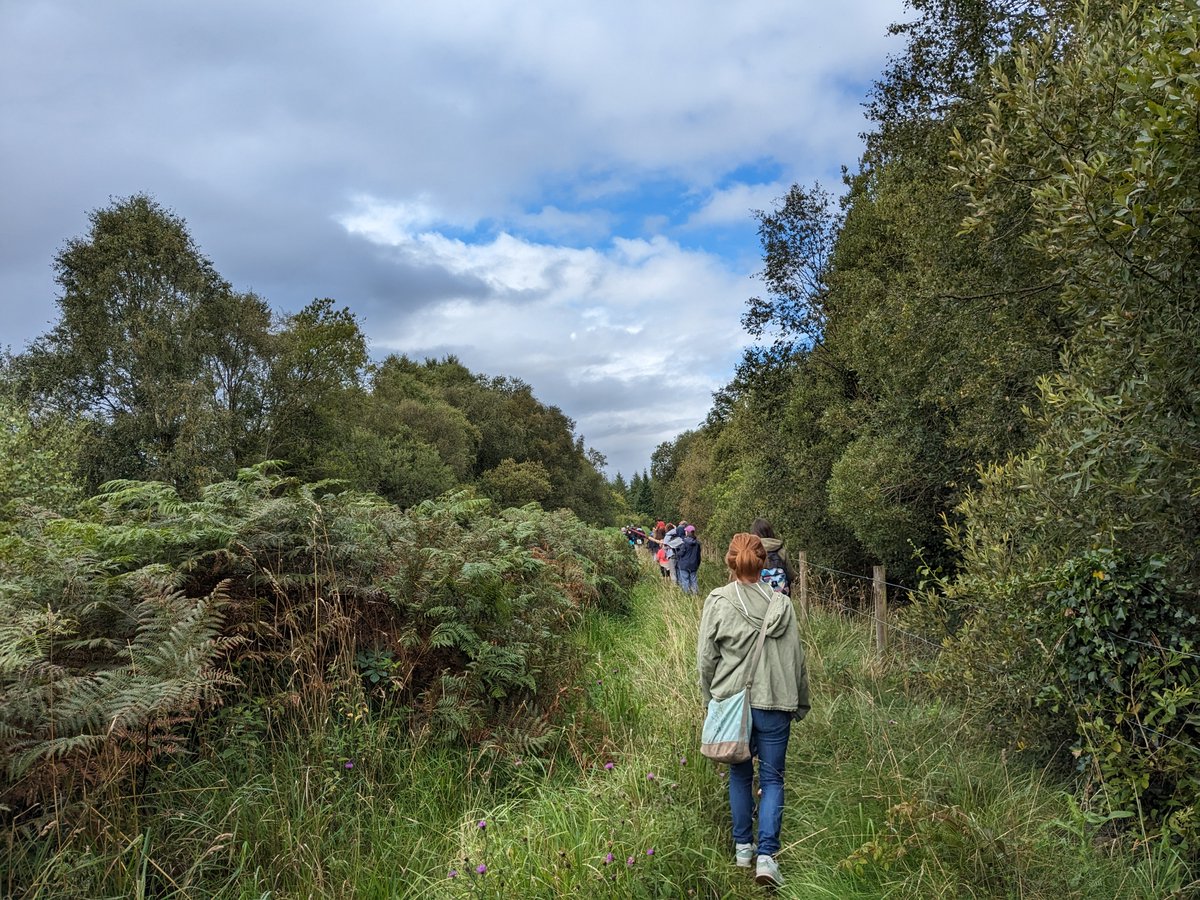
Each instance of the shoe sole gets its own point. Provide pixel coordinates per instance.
(744, 865)
(767, 881)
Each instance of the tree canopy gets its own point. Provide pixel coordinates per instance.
(169, 374)
(980, 370)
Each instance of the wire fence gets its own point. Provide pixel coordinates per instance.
(885, 625)
(868, 578)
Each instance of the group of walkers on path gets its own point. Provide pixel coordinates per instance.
(677, 551)
(754, 605)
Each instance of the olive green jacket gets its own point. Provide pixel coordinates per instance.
(728, 631)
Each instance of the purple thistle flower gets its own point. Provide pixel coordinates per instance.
(481, 869)
(608, 766)
(453, 873)
(649, 776)
(629, 862)
(608, 858)
(349, 764)
(683, 760)
(650, 851)
(482, 824)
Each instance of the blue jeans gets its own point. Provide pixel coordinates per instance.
(687, 581)
(770, 729)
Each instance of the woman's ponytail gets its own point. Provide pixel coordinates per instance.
(746, 556)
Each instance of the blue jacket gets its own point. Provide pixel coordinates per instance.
(687, 557)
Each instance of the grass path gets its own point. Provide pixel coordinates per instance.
(888, 796)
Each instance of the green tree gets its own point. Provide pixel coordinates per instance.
(314, 393)
(643, 496)
(39, 459)
(516, 483)
(1092, 145)
(236, 372)
(139, 338)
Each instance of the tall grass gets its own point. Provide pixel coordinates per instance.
(888, 795)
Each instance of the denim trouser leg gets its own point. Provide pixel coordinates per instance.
(687, 581)
(768, 741)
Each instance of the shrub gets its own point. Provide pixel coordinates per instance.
(1126, 668)
(121, 625)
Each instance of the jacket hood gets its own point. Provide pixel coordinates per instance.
(771, 545)
(759, 599)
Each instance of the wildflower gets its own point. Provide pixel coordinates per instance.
(629, 862)
(599, 681)
(608, 766)
(481, 869)
(349, 764)
(482, 824)
(1098, 574)
(683, 760)
(650, 851)
(649, 776)
(453, 873)
(608, 858)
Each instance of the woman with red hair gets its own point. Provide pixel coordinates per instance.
(729, 628)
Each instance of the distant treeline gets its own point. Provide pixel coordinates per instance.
(981, 367)
(157, 369)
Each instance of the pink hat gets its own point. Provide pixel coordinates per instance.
(689, 529)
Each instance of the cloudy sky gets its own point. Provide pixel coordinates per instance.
(559, 191)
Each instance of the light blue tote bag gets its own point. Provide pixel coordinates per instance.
(726, 734)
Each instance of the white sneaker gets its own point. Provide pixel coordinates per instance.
(767, 872)
(744, 855)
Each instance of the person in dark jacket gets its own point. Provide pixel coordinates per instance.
(687, 561)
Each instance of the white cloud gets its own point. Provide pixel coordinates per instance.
(734, 204)
(388, 223)
(630, 340)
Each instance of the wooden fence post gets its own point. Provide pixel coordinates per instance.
(803, 582)
(880, 591)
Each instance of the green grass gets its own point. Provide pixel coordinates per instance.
(888, 795)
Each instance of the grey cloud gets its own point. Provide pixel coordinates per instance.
(258, 122)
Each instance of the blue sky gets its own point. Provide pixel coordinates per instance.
(555, 191)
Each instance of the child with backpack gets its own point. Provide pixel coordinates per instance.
(777, 572)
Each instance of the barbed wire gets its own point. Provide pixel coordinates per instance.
(890, 625)
(900, 587)
(1191, 747)
(1157, 647)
